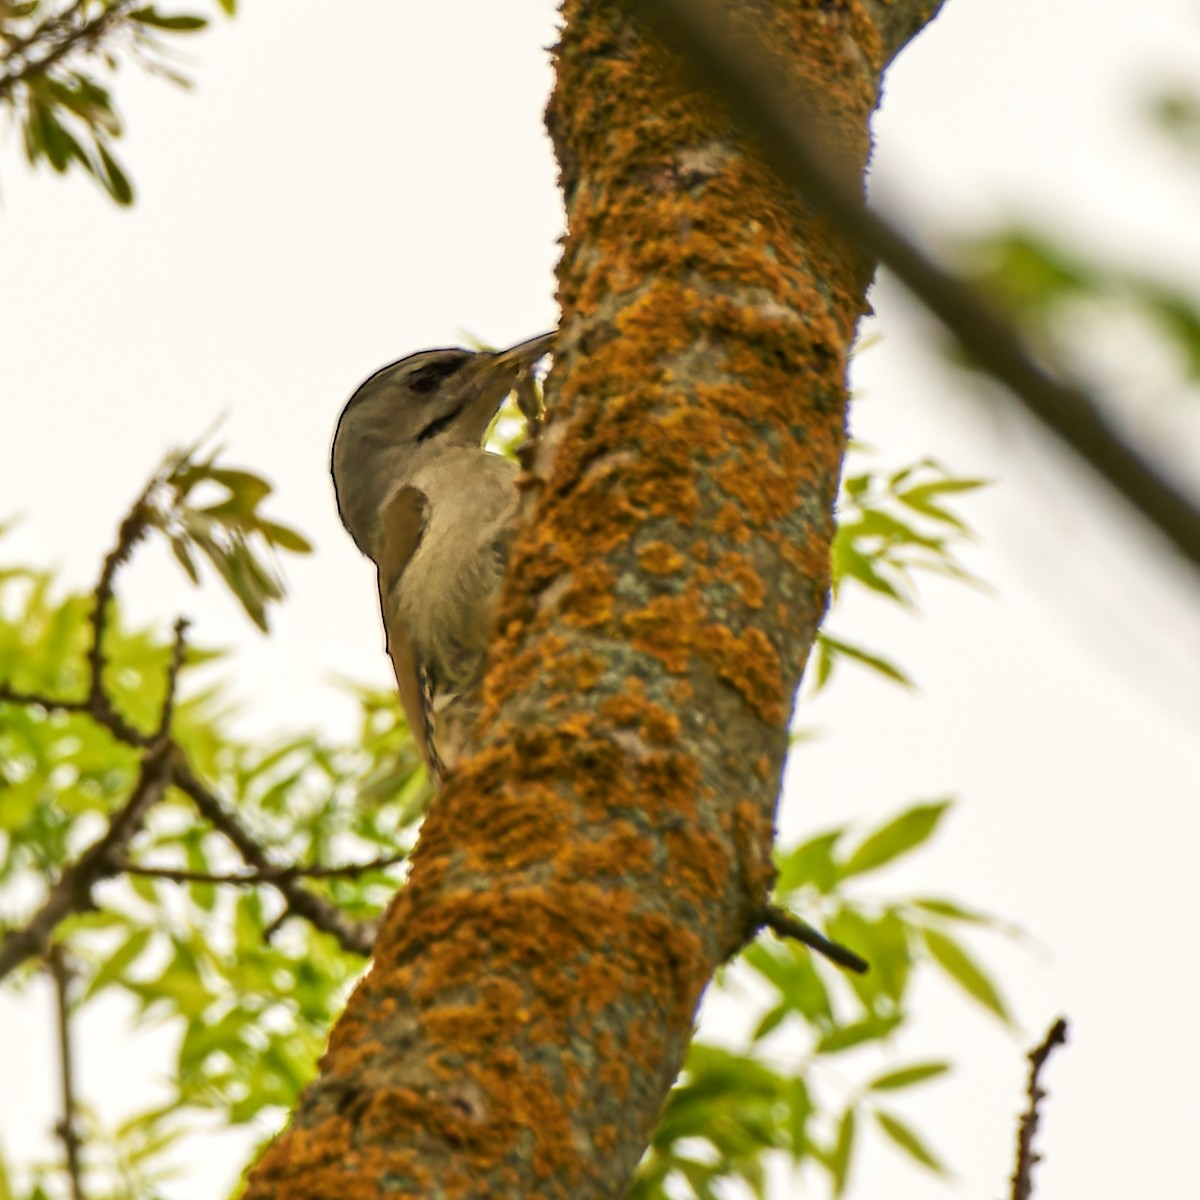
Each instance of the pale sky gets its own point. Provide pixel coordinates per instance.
(336, 193)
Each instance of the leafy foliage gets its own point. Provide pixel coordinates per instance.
(250, 1004)
(249, 993)
(228, 530)
(1069, 303)
(54, 54)
(891, 528)
(731, 1107)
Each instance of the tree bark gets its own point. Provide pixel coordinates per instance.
(581, 877)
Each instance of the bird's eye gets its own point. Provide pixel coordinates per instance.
(425, 378)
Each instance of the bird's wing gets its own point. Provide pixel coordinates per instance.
(403, 519)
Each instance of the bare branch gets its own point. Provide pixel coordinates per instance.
(786, 925)
(133, 528)
(177, 655)
(736, 67)
(1022, 1180)
(67, 1128)
(267, 875)
(73, 891)
(356, 936)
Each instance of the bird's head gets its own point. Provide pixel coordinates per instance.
(412, 409)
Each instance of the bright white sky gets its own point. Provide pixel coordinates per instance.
(333, 196)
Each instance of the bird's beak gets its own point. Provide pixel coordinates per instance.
(496, 375)
(523, 355)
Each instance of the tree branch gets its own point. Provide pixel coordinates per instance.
(73, 891)
(735, 66)
(67, 1128)
(178, 652)
(267, 875)
(356, 936)
(786, 925)
(132, 529)
(1022, 1180)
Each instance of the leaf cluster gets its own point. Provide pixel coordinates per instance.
(250, 1001)
(733, 1108)
(54, 55)
(892, 527)
(227, 527)
(1069, 303)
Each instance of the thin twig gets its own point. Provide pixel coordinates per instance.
(67, 1128)
(268, 875)
(177, 655)
(1022, 1180)
(10, 695)
(736, 67)
(73, 891)
(786, 925)
(132, 529)
(355, 936)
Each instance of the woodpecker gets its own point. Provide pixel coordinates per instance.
(435, 512)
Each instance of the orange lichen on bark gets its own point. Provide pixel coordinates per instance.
(698, 865)
(661, 558)
(622, 848)
(631, 709)
(673, 629)
(735, 569)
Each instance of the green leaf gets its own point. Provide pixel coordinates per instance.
(896, 838)
(920, 499)
(839, 1159)
(799, 1110)
(59, 146)
(884, 942)
(182, 23)
(837, 648)
(952, 911)
(909, 1141)
(907, 1076)
(771, 1020)
(851, 563)
(812, 863)
(183, 555)
(115, 966)
(1177, 318)
(845, 1037)
(821, 664)
(963, 969)
(113, 177)
(1028, 274)
(789, 968)
(289, 539)
(231, 566)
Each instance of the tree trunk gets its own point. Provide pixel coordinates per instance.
(609, 846)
